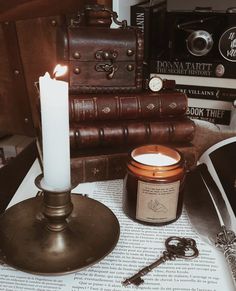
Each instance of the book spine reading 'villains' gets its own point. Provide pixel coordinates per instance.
(131, 133)
(128, 106)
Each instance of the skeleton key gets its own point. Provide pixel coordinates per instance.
(176, 247)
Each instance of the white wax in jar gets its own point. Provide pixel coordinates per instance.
(157, 159)
(55, 133)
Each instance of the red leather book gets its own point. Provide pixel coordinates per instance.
(127, 106)
(132, 132)
(108, 164)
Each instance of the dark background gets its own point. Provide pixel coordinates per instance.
(223, 160)
(27, 51)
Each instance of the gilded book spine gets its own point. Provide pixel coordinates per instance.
(127, 106)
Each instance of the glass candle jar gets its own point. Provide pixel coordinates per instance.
(153, 186)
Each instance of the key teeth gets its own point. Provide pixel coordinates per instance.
(136, 282)
(126, 282)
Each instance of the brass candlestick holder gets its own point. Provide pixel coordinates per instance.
(57, 233)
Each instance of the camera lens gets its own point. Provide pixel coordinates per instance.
(199, 43)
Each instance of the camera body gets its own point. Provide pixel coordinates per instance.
(201, 42)
(197, 35)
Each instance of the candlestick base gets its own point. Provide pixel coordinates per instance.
(29, 243)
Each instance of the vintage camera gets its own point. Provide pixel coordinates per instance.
(202, 34)
(198, 41)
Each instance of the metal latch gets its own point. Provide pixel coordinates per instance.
(109, 67)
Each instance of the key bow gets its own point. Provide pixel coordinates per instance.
(181, 247)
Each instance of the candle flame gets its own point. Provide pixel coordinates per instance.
(59, 70)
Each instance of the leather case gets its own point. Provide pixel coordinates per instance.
(101, 59)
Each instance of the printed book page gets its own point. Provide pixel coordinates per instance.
(138, 246)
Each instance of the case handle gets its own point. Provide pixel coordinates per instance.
(98, 8)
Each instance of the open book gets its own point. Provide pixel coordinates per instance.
(138, 246)
(221, 162)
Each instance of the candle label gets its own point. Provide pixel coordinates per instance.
(156, 202)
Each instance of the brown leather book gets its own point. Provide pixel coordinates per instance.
(98, 167)
(109, 164)
(132, 132)
(127, 106)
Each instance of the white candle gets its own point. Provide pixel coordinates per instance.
(55, 133)
(155, 159)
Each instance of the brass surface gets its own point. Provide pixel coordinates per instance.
(130, 67)
(77, 70)
(76, 55)
(90, 233)
(130, 52)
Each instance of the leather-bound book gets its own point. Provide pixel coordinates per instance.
(131, 132)
(109, 164)
(99, 166)
(127, 106)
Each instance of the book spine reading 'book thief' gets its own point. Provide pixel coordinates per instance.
(131, 133)
(129, 106)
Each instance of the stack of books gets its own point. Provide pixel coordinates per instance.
(104, 128)
(210, 97)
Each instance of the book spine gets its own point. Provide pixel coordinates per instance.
(131, 106)
(217, 112)
(204, 92)
(103, 167)
(130, 133)
(203, 88)
(140, 18)
(99, 168)
(190, 68)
